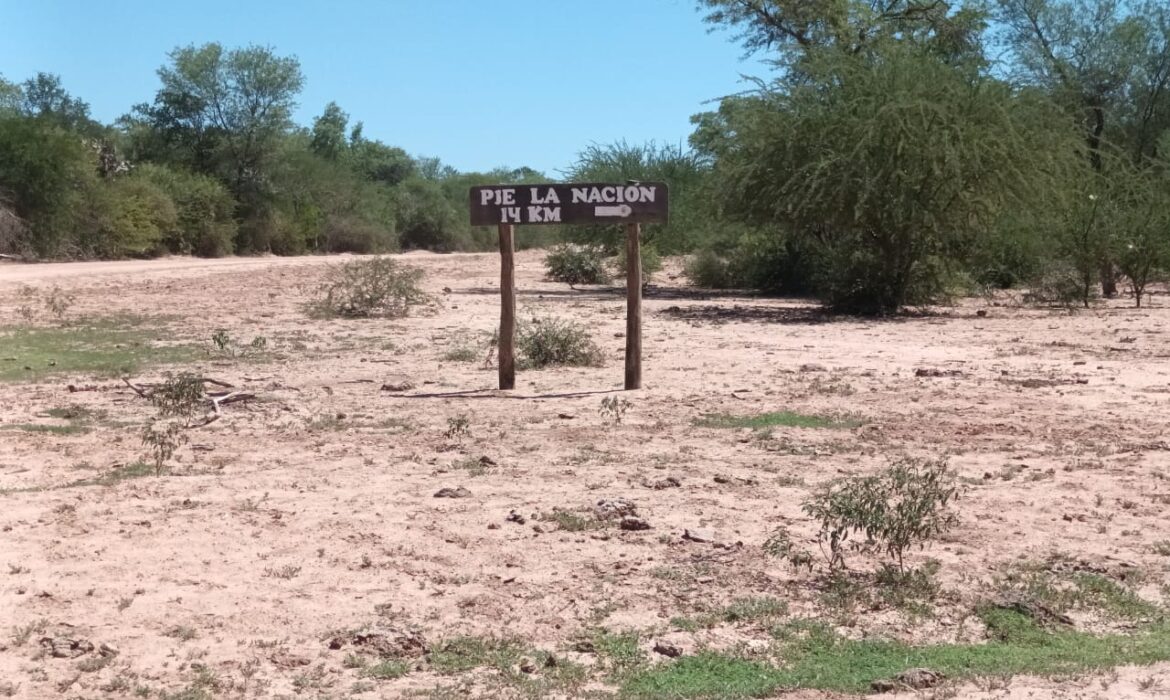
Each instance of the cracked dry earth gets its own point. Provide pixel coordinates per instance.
(309, 513)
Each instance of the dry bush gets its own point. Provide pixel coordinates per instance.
(553, 342)
(375, 287)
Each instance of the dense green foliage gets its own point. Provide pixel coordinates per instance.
(215, 165)
(895, 154)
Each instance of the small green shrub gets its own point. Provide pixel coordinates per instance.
(905, 505)
(614, 408)
(372, 287)
(552, 342)
(651, 262)
(709, 270)
(180, 396)
(161, 440)
(1057, 283)
(575, 264)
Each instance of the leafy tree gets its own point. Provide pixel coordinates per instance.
(40, 164)
(377, 162)
(1108, 63)
(792, 28)
(885, 166)
(223, 112)
(327, 206)
(1140, 217)
(204, 223)
(329, 133)
(44, 97)
(123, 217)
(683, 171)
(9, 98)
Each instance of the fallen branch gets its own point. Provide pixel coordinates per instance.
(137, 390)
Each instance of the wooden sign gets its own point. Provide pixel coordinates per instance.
(573, 203)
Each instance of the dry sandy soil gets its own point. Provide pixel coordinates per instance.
(309, 514)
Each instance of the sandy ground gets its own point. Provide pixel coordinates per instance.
(311, 511)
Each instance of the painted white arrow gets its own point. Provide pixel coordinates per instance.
(623, 211)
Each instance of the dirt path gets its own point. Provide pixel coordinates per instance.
(32, 273)
(309, 514)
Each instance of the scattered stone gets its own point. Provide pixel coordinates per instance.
(632, 523)
(527, 665)
(514, 517)
(613, 508)
(283, 659)
(107, 651)
(397, 383)
(701, 535)
(667, 649)
(812, 367)
(453, 493)
(385, 642)
(981, 313)
(911, 679)
(932, 372)
(486, 461)
(65, 647)
(669, 482)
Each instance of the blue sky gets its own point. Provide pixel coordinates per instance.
(477, 83)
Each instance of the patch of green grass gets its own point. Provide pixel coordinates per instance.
(124, 472)
(102, 347)
(821, 660)
(740, 610)
(386, 670)
(465, 653)
(572, 522)
(1081, 590)
(1096, 591)
(783, 419)
(619, 651)
(754, 609)
(71, 429)
(134, 470)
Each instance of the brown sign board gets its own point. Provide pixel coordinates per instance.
(570, 203)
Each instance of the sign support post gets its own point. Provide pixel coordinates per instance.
(507, 340)
(633, 306)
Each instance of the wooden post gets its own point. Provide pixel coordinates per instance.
(633, 306)
(507, 309)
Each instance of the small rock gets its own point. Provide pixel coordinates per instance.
(667, 649)
(514, 517)
(981, 313)
(669, 482)
(701, 535)
(386, 642)
(107, 651)
(632, 523)
(812, 367)
(584, 646)
(397, 383)
(283, 659)
(527, 666)
(66, 648)
(913, 679)
(613, 508)
(452, 493)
